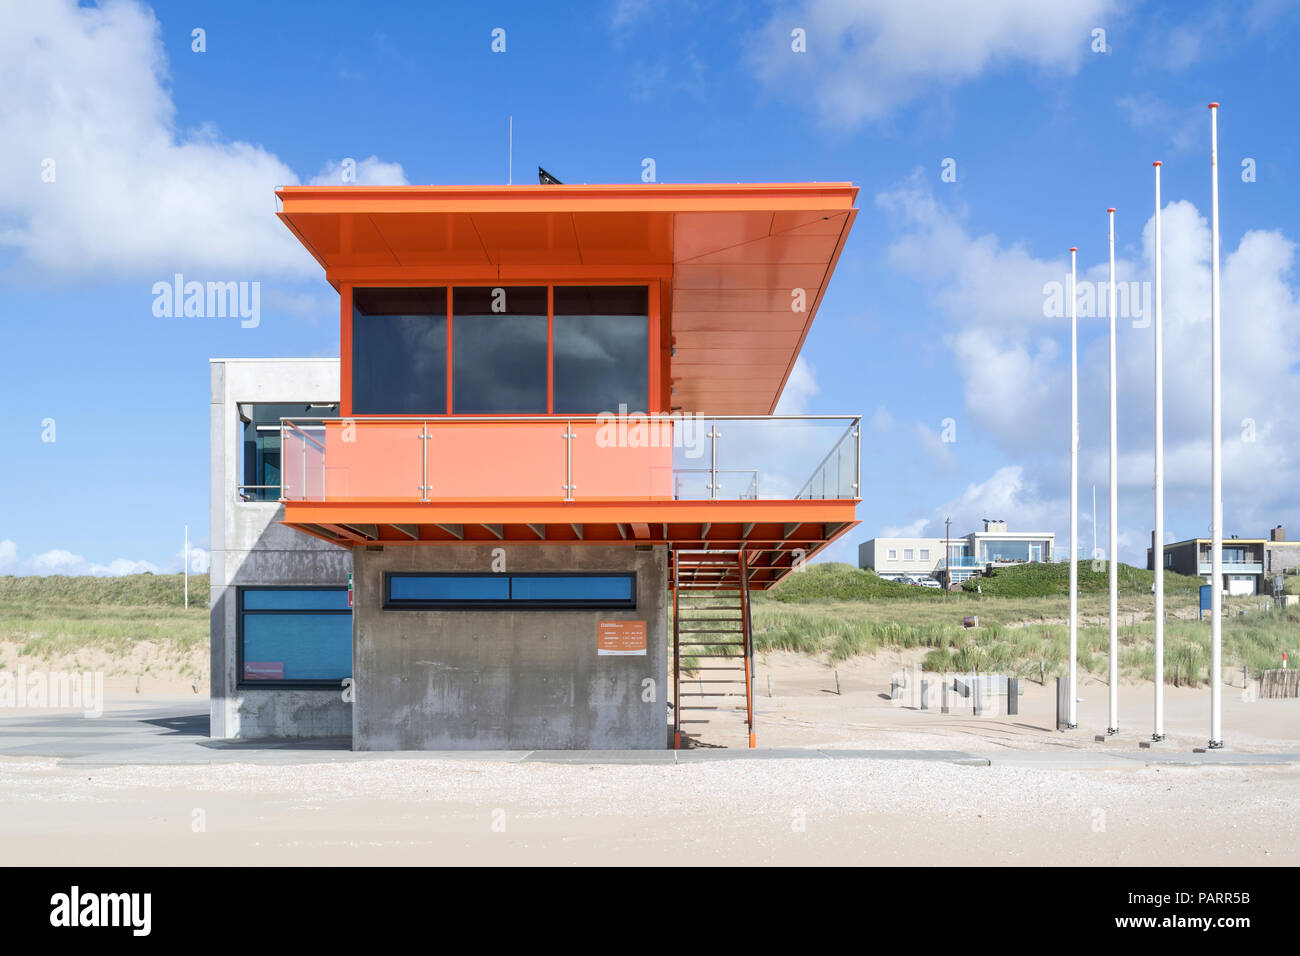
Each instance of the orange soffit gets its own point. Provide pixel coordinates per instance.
(743, 266)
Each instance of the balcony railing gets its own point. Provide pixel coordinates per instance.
(632, 457)
(1233, 567)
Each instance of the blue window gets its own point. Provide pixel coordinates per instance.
(294, 636)
(417, 591)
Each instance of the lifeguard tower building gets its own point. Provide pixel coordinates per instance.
(527, 506)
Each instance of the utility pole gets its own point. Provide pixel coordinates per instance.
(185, 559)
(1216, 452)
(1158, 544)
(1113, 727)
(1072, 718)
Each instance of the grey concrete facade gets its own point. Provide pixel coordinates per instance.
(506, 680)
(249, 546)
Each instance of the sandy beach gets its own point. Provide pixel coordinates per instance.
(1039, 802)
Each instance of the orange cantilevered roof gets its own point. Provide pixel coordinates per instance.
(730, 258)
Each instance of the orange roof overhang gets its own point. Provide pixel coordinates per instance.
(732, 259)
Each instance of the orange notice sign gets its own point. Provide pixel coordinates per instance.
(620, 638)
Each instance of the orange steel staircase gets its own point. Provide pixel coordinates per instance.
(712, 637)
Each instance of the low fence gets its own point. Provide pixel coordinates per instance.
(1279, 682)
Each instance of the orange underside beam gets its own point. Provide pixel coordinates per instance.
(777, 534)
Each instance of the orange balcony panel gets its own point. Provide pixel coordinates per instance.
(610, 468)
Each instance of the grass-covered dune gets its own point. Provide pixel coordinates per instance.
(47, 618)
(834, 581)
(1045, 579)
(132, 590)
(837, 611)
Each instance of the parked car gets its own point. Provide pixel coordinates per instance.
(927, 582)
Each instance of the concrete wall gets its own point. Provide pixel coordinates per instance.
(1280, 557)
(513, 680)
(875, 554)
(250, 546)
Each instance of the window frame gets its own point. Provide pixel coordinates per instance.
(243, 683)
(508, 604)
(347, 369)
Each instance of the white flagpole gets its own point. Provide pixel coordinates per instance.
(1073, 720)
(1113, 726)
(186, 559)
(1216, 442)
(1158, 546)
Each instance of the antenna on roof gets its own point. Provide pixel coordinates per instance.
(510, 154)
(546, 179)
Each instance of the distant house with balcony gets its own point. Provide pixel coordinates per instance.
(1248, 563)
(957, 558)
(544, 470)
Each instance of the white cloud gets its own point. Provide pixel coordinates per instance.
(371, 171)
(914, 530)
(1182, 127)
(84, 89)
(60, 561)
(1013, 362)
(800, 387)
(1008, 495)
(866, 59)
(63, 561)
(200, 560)
(881, 420)
(938, 450)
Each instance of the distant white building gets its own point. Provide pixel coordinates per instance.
(966, 555)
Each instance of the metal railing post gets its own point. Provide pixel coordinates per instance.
(424, 437)
(713, 458)
(568, 461)
(857, 458)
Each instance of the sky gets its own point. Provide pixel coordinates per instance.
(986, 139)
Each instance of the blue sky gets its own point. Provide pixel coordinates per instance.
(165, 160)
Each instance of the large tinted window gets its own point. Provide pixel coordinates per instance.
(294, 635)
(499, 349)
(601, 348)
(399, 351)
